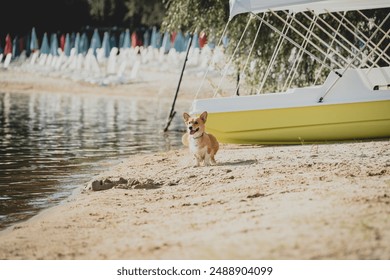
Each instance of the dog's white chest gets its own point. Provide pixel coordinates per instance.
(196, 149)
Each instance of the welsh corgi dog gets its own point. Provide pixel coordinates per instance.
(202, 145)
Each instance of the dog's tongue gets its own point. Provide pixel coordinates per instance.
(192, 132)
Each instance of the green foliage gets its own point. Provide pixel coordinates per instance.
(146, 12)
(212, 16)
(196, 16)
(133, 13)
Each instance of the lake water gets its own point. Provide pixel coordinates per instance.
(51, 144)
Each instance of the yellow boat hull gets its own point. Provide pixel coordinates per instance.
(298, 125)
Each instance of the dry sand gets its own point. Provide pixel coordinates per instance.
(328, 201)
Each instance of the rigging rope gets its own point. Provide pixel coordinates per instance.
(353, 59)
(251, 50)
(298, 59)
(298, 46)
(231, 58)
(359, 32)
(275, 53)
(209, 66)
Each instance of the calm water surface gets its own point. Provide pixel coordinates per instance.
(51, 144)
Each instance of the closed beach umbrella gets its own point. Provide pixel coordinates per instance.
(158, 39)
(146, 38)
(54, 44)
(96, 43)
(34, 41)
(153, 38)
(8, 45)
(22, 44)
(26, 44)
(67, 45)
(179, 43)
(15, 47)
(62, 42)
(202, 39)
(166, 42)
(72, 39)
(135, 40)
(126, 40)
(121, 39)
(83, 47)
(113, 43)
(195, 41)
(77, 42)
(106, 44)
(45, 49)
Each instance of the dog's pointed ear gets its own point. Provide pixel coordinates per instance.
(203, 116)
(186, 117)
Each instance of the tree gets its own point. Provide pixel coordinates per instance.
(132, 13)
(212, 16)
(195, 16)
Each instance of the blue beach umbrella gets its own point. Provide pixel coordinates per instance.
(187, 39)
(15, 47)
(113, 43)
(83, 47)
(45, 49)
(33, 41)
(121, 39)
(126, 40)
(54, 44)
(67, 45)
(77, 42)
(72, 40)
(153, 38)
(166, 42)
(195, 41)
(146, 38)
(158, 40)
(179, 43)
(106, 44)
(96, 43)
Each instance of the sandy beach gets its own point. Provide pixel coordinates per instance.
(327, 201)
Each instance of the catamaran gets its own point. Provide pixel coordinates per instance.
(352, 103)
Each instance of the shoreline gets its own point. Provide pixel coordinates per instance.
(327, 201)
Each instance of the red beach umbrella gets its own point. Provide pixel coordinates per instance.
(173, 37)
(202, 39)
(135, 41)
(8, 45)
(62, 42)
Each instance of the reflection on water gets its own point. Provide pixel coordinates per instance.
(52, 143)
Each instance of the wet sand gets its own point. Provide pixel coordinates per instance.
(328, 201)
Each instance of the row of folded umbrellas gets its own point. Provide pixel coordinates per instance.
(80, 43)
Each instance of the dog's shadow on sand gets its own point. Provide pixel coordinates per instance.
(238, 162)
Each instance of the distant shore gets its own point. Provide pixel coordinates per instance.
(328, 201)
